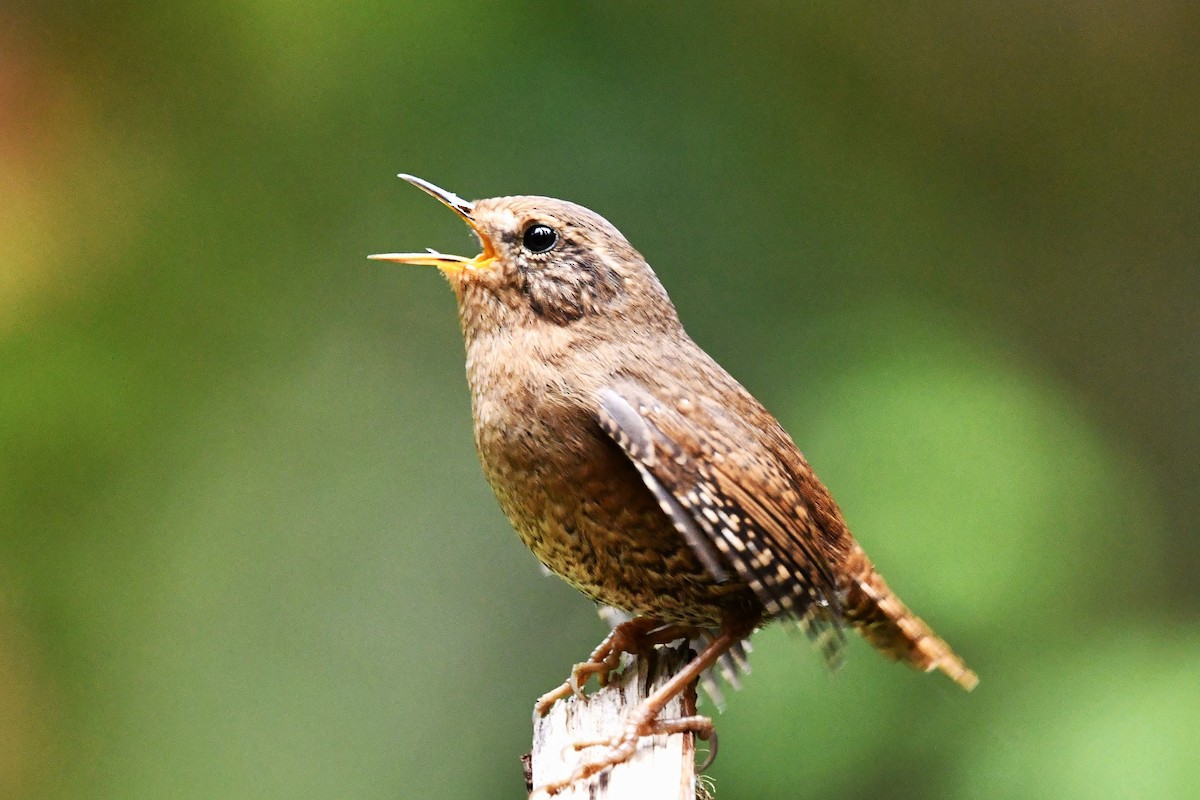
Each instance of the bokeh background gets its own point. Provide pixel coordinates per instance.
(245, 548)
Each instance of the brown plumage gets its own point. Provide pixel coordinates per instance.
(633, 465)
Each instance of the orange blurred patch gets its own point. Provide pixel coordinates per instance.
(66, 180)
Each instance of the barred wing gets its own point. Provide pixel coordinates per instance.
(736, 496)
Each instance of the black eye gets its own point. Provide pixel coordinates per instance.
(539, 238)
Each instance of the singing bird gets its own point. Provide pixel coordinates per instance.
(637, 469)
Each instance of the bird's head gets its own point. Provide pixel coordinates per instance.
(544, 262)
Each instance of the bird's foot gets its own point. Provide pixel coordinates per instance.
(634, 637)
(641, 723)
(643, 720)
(580, 673)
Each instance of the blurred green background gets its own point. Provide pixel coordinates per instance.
(245, 547)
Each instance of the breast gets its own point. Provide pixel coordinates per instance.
(578, 503)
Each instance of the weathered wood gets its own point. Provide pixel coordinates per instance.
(663, 768)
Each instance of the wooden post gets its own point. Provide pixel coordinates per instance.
(663, 768)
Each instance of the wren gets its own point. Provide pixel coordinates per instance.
(639, 470)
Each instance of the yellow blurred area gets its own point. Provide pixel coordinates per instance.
(74, 193)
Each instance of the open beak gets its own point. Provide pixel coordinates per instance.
(446, 263)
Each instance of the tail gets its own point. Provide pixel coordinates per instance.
(873, 610)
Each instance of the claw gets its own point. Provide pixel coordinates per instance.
(712, 752)
(544, 703)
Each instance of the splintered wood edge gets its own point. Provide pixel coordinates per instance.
(663, 768)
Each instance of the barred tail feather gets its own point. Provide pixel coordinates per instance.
(872, 609)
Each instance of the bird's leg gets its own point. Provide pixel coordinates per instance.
(634, 636)
(643, 719)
